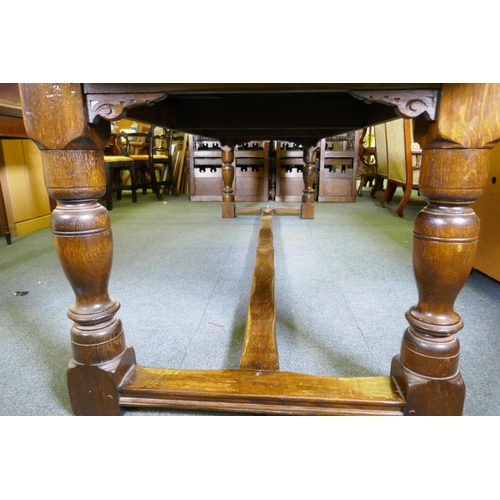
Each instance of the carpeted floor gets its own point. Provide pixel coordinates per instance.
(182, 274)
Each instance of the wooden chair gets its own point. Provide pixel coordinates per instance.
(381, 172)
(154, 158)
(137, 146)
(398, 159)
(116, 163)
(367, 164)
(163, 141)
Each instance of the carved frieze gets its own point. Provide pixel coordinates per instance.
(409, 104)
(114, 106)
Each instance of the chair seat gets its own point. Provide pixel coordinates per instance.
(114, 166)
(153, 167)
(117, 159)
(146, 157)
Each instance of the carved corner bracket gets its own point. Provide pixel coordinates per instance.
(410, 104)
(114, 106)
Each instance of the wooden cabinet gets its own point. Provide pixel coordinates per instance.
(21, 175)
(289, 178)
(488, 209)
(338, 168)
(267, 170)
(337, 164)
(205, 169)
(251, 172)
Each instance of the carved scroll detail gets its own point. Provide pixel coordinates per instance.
(113, 106)
(410, 104)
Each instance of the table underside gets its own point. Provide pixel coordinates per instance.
(260, 112)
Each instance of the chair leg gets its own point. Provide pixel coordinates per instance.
(154, 182)
(173, 187)
(362, 183)
(167, 179)
(133, 183)
(377, 185)
(388, 193)
(109, 189)
(118, 183)
(166, 182)
(143, 169)
(392, 190)
(143, 181)
(403, 202)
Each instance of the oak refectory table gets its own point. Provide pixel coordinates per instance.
(457, 125)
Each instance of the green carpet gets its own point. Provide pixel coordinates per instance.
(182, 274)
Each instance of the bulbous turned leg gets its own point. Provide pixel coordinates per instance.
(309, 175)
(444, 245)
(228, 205)
(83, 241)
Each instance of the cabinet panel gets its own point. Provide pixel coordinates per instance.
(26, 200)
(289, 176)
(488, 209)
(338, 168)
(251, 170)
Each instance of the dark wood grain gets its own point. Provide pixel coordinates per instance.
(198, 89)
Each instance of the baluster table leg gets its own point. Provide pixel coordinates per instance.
(228, 205)
(83, 241)
(444, 245)
(455, 164)
(309, 175)
(74, 170)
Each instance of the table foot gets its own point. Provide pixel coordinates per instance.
(427, 396)
(93, 388)
(307, 211)
(228, 210)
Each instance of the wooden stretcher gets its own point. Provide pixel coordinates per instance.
(258, 386)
